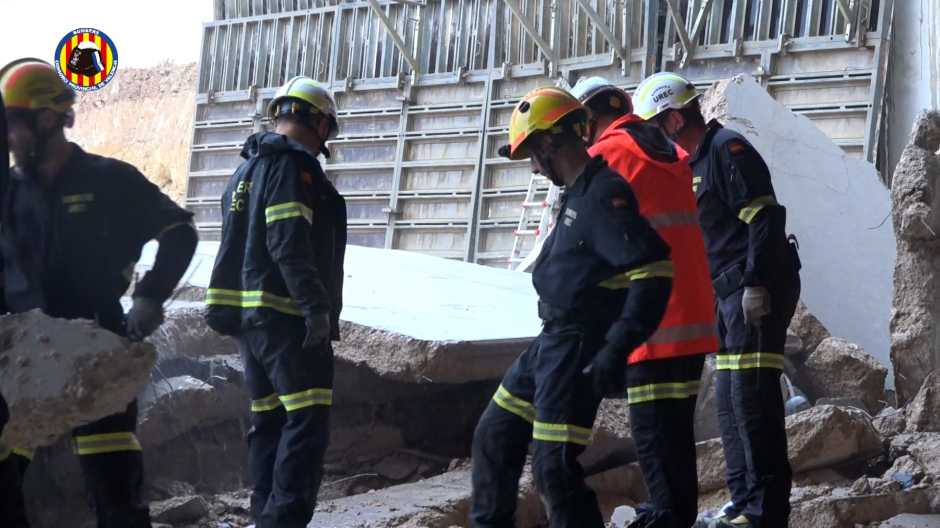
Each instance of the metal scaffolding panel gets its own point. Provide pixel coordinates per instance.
(425, 89)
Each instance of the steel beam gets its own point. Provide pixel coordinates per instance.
(602, 27)
(697, 30)
(530, 29)
(399, 43)
(680, 27)
(847, 11)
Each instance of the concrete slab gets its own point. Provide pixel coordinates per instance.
(408, 316)
(836, 206)
(909, 520)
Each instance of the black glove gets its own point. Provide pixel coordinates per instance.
(318, 330)
(609, 370)
(145, 317)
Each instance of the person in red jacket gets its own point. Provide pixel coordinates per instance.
(664, 374)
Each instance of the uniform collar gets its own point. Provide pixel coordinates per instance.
(713, 127)
(581, 184)
(71, 166)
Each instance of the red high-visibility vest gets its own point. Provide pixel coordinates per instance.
(664, 192)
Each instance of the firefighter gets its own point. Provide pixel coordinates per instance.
(11, 496)
(664, 373)
(603, 278)
(74, 224)
(277, 287)
(755, 275)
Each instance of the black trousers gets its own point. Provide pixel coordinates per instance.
(661, 394)
(751, 407)
(544, 398)
(291, 390)
(12, 508)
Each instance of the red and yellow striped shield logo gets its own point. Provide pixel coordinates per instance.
(86, 59)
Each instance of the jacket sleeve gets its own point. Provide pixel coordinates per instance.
(288, 212)
(339, 273)
(747, 189)
(153, 215)
(625, 239)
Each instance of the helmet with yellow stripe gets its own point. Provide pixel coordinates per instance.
(33, 84)
(546, 109)
(303, 95)
(660, 92)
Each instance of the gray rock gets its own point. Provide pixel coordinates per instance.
(622, 516)
(854, 403)
(57, 375)
(839, 369)
(178, 509)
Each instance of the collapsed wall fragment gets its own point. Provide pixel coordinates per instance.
(916, 306)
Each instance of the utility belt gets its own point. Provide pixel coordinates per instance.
(550, 314)
(732, 279)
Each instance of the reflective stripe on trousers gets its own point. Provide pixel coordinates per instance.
(662, 391)
(750, 361)
(295, 401)
(105, 443)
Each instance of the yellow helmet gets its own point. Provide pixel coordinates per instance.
(33, 84)
(661, 92)
(541, 110)
(305, 95)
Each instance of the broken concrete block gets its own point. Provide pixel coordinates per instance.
(171, 407)
(839, 369)
(816, 438)
(854, 403)
(438, 502)
(619, 485)
(439, 321)
(706, 417)
(611, 442)
(849, 511)
(184, 334)
(178, 509)
(821, 185)
(826, 435)
(57, 375)
(922, 414)
(921, 448)
(915, 308)
(908, 520)
(808, 328)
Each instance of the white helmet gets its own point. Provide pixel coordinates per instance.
(661, 92)
(588, 88)
(304, 95)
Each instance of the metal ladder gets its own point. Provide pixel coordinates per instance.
(536, 185)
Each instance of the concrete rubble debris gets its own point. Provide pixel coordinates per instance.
(907, 520)
(850, 510)
(178, 509)
(170, 407)
(57, 375)
(922, 413)
(822, 185)
(611, 442)
(471, 324)
(808, 328)
(817, 438)
(839, 369)
(916, 218)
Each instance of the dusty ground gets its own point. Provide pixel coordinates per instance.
(143, 117)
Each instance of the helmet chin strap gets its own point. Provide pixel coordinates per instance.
(545, 160)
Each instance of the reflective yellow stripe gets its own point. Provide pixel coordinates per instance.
(695, 181)
(673, 334)
(549, 432)
(268, 403)
(658, 391)
(77, 198)
(693, 387)
(128, 272)
(661, 268)
(517, 406)
(307, 398)
(749, 361)
(105, 443)
(25, 453)
(673, 219)
(251, 299)
(174, 226)
(288, 210)
(750, 211)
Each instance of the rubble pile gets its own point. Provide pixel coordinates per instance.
(916, 217)
(57, 375)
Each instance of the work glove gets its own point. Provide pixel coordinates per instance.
(318, 329)
(608, 370)
(756, 304)
(145, 317)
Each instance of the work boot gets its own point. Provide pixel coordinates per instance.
(703, 521)
(738, 522)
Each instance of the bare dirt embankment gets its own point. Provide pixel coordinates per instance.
(143, 117)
